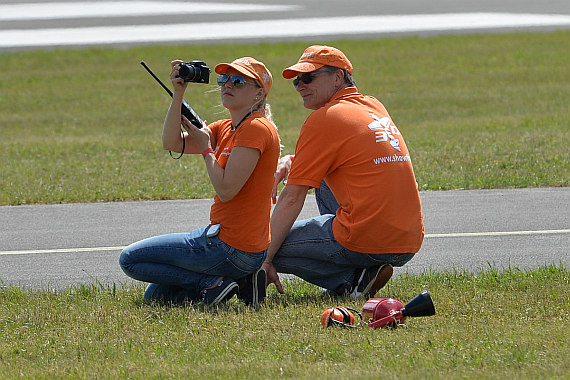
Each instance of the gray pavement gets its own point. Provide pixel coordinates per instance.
(300, 20)
(54, 246)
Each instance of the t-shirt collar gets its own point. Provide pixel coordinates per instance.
(344, 92)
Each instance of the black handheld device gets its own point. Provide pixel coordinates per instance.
(185, 109)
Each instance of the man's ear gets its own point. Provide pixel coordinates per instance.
(339, 76)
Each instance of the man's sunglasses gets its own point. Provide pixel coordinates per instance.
(236, 80)
(307, 77)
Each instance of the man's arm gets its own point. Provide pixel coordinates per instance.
(286, 211)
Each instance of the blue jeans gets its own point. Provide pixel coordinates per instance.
(180, 266)
(311, 252)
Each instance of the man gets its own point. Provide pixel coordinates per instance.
(355, 157)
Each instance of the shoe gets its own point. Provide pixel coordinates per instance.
(252, 291)
(371, 280)
(220, 292)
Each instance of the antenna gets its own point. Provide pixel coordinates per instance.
(185, 108)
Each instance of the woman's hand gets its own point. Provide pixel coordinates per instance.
(281, 174)
(201, 136)
(178, 83)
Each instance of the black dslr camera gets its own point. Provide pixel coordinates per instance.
(194, 71)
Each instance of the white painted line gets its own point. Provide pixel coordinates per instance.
(61, 250)
(500, 233)
(59, 10)
(274, 28)
(459, 234)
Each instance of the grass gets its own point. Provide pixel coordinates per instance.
(509, 324)
(477, 111)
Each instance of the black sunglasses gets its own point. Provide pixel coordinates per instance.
(237, 80)
(307, 77)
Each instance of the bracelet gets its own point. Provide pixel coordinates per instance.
(207, 151)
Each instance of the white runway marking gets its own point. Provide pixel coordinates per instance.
(50, 11)
(499, 233)
(61, 250)
(459, 234)
(274, 28)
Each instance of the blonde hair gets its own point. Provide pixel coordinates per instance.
(264, 107)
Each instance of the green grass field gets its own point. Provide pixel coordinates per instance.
(479, 111)
(490, 325)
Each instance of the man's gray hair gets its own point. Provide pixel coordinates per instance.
(348, 79)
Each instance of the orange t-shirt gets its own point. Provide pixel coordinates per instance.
(245, 218)
(353, 145)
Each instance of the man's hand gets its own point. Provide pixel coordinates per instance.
(281, 174)
(272, 276)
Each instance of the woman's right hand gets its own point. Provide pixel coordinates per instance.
(201, 136)
(178, 83)
(281, 174)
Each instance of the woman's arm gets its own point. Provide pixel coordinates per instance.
(172, 135)
(227, 181)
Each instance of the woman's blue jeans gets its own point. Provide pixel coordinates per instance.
(180, 266)
(311, 252)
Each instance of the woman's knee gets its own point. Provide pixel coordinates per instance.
(125, 258)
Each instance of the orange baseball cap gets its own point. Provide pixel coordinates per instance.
(250, 67)
(317, 56)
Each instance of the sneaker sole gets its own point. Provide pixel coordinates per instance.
(259, 286)
(384, 275)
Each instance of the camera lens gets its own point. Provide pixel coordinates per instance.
(188, 73)
(194, 71)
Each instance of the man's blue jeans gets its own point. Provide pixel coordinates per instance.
(180, 266)
(311, 252)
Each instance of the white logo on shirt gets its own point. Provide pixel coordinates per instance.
(385, 130)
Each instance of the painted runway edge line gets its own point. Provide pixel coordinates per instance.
(278, 28)
(428, 236)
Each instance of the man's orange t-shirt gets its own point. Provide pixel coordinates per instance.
(245, 218)
(353, 145)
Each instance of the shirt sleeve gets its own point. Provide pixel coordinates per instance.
(315, 152)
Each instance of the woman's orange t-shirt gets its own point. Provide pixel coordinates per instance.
(245, 219)
(353, 145)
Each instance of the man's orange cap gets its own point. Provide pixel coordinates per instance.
(317, 56)
(250, 67)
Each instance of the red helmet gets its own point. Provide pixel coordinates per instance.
(378, 308)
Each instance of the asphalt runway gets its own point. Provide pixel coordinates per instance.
(55, 246)
(47, 24)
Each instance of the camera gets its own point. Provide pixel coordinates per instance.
(194, 71)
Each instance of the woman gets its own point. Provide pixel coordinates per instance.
(213, 263)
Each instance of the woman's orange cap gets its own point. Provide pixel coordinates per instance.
(250, 67)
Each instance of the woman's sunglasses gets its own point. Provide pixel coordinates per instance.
(237, 80)
(307, 77)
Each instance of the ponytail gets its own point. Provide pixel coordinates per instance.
(264, 107)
